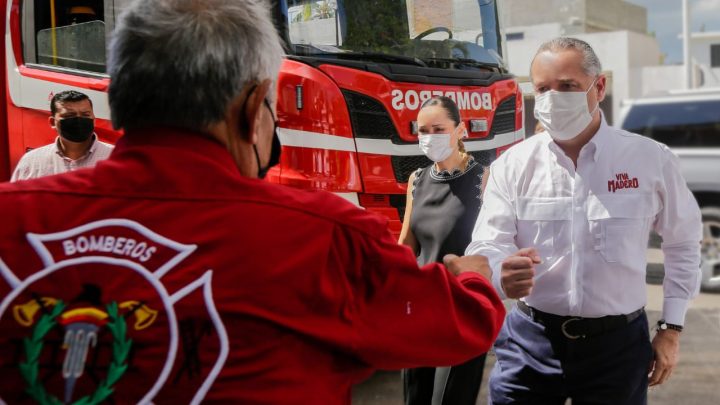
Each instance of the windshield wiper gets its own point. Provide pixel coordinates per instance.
(408, 60)
(373, 56)
(466, 62)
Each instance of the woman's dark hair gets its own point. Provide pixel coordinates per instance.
(447, 104)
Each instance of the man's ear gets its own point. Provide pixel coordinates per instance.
(253, 107)
(51, 121)
(601, 83)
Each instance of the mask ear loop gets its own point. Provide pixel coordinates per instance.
(246, 125)
(597, 105)
(592, 84)
(262, 171)
(243, 125)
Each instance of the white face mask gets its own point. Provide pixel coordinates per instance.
(435, 146)
(564, 114)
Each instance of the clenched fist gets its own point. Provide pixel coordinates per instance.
(516, 276)
(475, 263)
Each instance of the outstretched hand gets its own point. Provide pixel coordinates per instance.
(474, 263)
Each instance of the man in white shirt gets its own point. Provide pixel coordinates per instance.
(565, 225)
(75, 147)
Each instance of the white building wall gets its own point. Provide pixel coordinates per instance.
(658, 79)
(631, 58)
(619, 51)
(661, 79)
(548, 30)
(577, 15)
(711, 77)
(700, 51)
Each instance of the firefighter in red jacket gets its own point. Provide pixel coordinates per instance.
(171, 274)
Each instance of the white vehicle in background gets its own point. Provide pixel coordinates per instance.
(689, 123)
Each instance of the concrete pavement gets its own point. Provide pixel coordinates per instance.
(695, 381)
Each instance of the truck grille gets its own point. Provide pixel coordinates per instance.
(504, 120)
(398, 202)
(369, 118)
(403, 166)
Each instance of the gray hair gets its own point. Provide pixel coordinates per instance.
(591, 63)
(181, 62)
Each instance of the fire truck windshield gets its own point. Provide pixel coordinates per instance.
(450, 34)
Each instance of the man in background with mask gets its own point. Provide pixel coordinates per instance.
(75, 147)
(565, 224)
(176, 275)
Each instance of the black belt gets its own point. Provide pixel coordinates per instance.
(574, 327)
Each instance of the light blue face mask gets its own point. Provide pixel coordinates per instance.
(435, 146)
(564, 114)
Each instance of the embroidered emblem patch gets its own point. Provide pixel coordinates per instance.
(98, 323)
(81, 326)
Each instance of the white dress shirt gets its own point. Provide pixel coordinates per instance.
(49, 159)
(591, 225)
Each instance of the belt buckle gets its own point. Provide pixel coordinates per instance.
(565, 332)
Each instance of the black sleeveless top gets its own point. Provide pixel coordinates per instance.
(445, 207)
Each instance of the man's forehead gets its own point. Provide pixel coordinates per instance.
(562, 65)
(81, 105)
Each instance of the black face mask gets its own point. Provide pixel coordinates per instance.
(76, 129)
(274, 151)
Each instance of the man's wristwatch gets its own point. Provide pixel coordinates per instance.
(662, 325)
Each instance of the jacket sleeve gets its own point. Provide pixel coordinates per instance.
(406, 316)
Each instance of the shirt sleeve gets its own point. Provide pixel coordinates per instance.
(679, 224)
(405, 316)
(496, 225)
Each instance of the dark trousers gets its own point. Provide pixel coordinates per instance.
(542, 367)
(460, 388)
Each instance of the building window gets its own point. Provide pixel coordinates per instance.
(715, 55)
(515, 36)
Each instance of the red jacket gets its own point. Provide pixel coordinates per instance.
(164, 275)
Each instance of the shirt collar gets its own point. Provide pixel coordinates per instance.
(91, 149)
(180, 145)
(596, 143)
(601, 137)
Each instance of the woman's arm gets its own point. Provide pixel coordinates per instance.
(407, 238)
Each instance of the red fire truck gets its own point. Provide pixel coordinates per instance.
(349, 90)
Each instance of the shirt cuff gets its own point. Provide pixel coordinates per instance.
(674, 310)
(498, 284)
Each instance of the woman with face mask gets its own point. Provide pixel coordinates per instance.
(443, 202)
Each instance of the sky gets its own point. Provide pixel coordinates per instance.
(665, 20)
